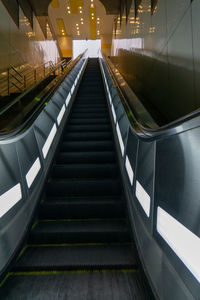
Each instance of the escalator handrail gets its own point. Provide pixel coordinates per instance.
(176, 126)
(37, 110)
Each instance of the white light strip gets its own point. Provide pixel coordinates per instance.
(120, 140)
(49, 141)
(10, 198)
(32, 173)
(143, 198)
(182, 241)
(110, 99)
(61, 114)
(67, 99)
(114, 114)
(72, 89)
(129, 170)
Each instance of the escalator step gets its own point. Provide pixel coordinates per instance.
(97, 115)
(86, 128)
(86, 157)
(88, 136)
(83, 187)
(80, 208)
(89, 121)
(85, 171)
(77, 257)
(87, 146)
(102, 285)
(90, 110)
(93, 231)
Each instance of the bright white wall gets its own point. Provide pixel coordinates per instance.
(23, 45)
(81, 45)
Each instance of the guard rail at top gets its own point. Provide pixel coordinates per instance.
(24, 162)
(44, 95)
(161, 176)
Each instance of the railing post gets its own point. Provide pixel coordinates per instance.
(8, 82)
(24, 82)
(35, 76)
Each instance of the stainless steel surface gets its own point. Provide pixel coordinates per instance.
(165, 161)
(158, 57)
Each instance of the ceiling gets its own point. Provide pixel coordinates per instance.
(75, 21)
(41, 6)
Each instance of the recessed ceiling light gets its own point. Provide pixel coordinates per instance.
(98, 22)
(69, 12)
(80, 11)
(82, 23)
(68, 7)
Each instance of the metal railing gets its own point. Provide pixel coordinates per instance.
(15, 80)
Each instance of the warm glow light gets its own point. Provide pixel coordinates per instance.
(80, 11)
(69, 12)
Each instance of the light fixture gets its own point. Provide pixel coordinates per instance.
(69, 12)
(68, 7)
(80, 11)
(82, 23)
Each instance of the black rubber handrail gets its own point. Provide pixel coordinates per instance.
(27, 123)
(164, 129)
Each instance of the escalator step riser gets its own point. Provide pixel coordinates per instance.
(88, 136)
(83, 188)
(87, 146)
(86, 157)
(85, 171)
(76, 257)
(90, 110)
(88, 128)
(54, 210)
(89, 237)
(89, 121)
(80, 231)
(89, 115)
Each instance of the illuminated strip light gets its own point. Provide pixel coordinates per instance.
(110, 99)
(120, 140)
(32, 173)
(61, 114)
(49, 141)
(129, 170)
(143, 198)
(182, 241)
(72, 89)
(10, 198)
(114, 114)
(67, 99)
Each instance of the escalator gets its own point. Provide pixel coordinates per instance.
(80, 246)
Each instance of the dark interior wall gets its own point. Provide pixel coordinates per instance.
(13, 8)
(159, 57)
